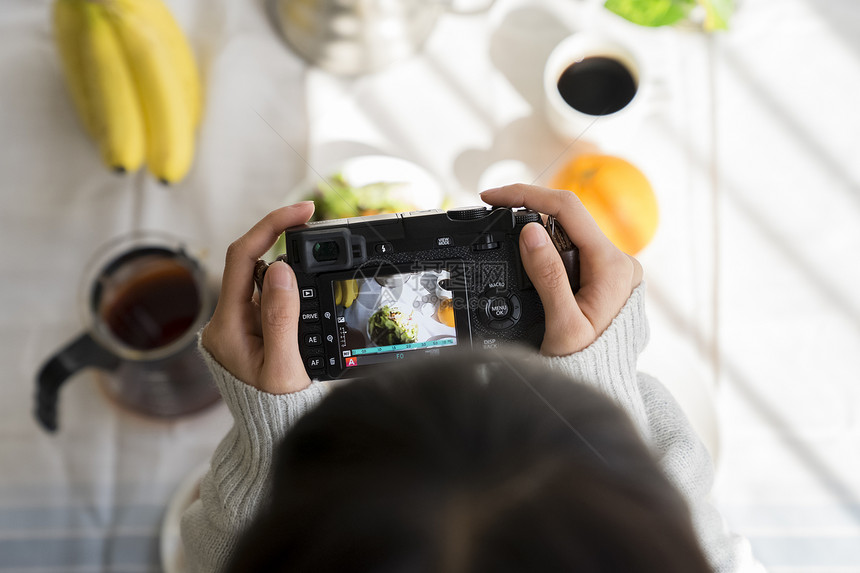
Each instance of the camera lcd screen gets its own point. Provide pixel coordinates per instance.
(383, 318)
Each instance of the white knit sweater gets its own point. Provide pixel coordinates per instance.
(236, 484)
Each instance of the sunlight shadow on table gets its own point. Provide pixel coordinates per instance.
(817, 466)
(520, 57)
(733, 191)
(804, 137)
(843, 22)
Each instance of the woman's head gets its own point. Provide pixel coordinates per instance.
(482, 462)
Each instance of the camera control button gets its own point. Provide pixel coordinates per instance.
(485, 243)
(313, 339)
(516, 307)
(309, 292)
(315, 362)
(498, 311)
(502, 324)
(383, 248)
(310, 316)
(468, 213)
(499, 308)
(524, 216)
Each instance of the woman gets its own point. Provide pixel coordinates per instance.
(483, 463)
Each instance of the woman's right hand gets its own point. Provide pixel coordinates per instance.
(256, 338)
(607, 275)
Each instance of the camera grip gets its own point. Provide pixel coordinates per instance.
(260, 268)
(568, 251)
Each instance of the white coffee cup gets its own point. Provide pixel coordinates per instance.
(623, 111)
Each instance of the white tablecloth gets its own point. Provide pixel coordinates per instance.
(751, 146)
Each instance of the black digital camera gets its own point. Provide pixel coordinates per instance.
(389, 287)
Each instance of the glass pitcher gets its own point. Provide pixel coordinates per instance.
(144, 298)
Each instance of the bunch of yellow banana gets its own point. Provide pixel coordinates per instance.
(134, 81)
(345, 292)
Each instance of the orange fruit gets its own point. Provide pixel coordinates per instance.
(446, 312)
(618, 196)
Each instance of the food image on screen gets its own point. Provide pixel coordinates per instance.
(382, 318)
(389, 326)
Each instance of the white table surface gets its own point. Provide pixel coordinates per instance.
(751, 147)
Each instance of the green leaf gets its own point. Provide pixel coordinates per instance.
(651, 12)
(717, 14)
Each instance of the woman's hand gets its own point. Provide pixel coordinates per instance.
(256, 339)
(607, 275)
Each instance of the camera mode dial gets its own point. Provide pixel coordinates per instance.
(525, 216)
(467, 213)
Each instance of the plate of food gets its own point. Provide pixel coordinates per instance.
(370, 185)
(366, 185)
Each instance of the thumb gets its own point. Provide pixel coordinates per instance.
(283, 370)
(545, 269)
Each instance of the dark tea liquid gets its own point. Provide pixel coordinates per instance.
(597, 85)
(155, 305)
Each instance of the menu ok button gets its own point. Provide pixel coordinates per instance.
(311, 316)
(499, 307)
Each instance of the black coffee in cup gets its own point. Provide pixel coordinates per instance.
(597, 85)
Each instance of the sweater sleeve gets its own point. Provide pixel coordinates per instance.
(687, 463)
(237, 482)
(609, 365)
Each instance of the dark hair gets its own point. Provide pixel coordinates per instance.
(480, 463)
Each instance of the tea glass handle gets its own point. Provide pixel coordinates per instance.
(81, 353)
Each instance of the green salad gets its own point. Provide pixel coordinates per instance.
(388, 326)
(335, 198)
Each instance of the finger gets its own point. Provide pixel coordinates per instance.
(283, 370)
(564, 205)
(638, 272)
(544, 267)
(237, 286)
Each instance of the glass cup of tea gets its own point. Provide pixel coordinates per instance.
(144, 297)
(593, 88)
